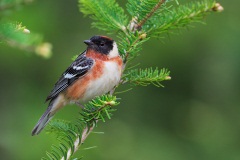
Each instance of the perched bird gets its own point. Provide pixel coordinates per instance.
(94, 72)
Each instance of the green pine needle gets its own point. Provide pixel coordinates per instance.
(144, 77)
(179, 17)
(130, 44)
(107, 14)
(139, 9)
(99, 108)
(74, 57)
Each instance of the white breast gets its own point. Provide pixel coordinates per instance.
(111, 77)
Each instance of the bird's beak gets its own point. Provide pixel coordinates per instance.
(88, 42)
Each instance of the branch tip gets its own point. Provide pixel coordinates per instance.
(217, 7)
(168, 78)
(143, 36)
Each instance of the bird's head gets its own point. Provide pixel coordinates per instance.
(103, 45)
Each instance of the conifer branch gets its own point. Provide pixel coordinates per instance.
(154, 9)
(146, 76)
(100, 104)
(130, 45)
(180, 17)
(73, 135)
(107, 14)
(18, 36)
(77, 143)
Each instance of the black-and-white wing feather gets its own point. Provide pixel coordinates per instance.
(77, 69)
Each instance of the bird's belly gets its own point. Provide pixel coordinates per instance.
(109, 78)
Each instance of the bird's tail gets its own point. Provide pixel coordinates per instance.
(47, 116)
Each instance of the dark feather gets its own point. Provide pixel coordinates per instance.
(77, 69)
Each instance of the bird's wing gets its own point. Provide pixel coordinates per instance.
(76, 70)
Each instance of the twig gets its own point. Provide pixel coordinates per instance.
(78, 143)
(140, 24)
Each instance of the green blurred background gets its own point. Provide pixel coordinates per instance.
(195, 117)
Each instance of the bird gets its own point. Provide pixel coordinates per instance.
(95, 72)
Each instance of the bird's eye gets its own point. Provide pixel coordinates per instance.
(101, 44)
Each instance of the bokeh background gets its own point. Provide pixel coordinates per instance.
(195, 117)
